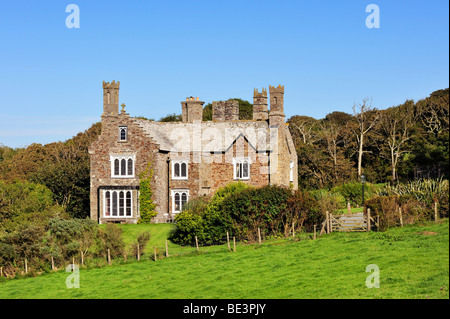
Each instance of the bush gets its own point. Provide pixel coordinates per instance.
(240, 210)
(329, 201)
(24, 203)
(385, 209)
(141, 240)
(352, 192)
(111, 238)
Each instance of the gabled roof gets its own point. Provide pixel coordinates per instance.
(206, 136)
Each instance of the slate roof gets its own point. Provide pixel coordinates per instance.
(207, 136)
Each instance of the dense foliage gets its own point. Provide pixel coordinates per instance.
(240, 210)
(413, 201)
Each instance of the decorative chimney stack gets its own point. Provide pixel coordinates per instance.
(225, 110)
(260, 112)
(192, 109)
(111, 98)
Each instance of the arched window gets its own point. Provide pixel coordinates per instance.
(130, 167)
(241, 168)
(177, 202)
(116, 167)
(183, 200)
(179, 170)
(183, 169)
(114, 203)
(118, 203)
(128, 204)
(107, 203)
(121, 203)
(123, 167)
(122, 133)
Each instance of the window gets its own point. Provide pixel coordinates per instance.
(179, 169)
(122, 133)
(241, 168)
(122, 166)
(179, 200)
(120, 201)
(291, 171)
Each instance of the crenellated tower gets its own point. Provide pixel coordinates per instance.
(111, 98)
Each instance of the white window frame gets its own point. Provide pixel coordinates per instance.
(291, 171)
(241, 160)
(111, 191)
(179, 162)
(121, 127)
(179, 191)
(112, 158)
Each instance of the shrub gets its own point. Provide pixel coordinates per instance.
(385, 209)
(24, 203)
(141, 240)
(72, 236)
(111, 238)
(240, 210)
(352, 192)
(329, 201)
(425, 191)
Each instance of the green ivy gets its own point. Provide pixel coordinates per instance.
(146, 204)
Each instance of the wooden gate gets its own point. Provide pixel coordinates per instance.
(347, 223)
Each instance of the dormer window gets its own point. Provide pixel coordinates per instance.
(179, 169)
(122, 166)
(123, 133)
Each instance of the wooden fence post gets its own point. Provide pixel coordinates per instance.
(234, 244)
(167, 249)
(228, 241)
(315, 232)
(53, 264)
(368, 219)
(26, 266)
(331, 222)
(327, 222)
(401, 217)
(349, 208)
(73, 263)
(259, 235)
(436, 215)
(196, 243)
(1, 271)
(154, 253)
(109, 257)
(82, 258)
(138, 253)
(293, 230)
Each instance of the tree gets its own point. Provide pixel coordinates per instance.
(366, 117)
(397, 127)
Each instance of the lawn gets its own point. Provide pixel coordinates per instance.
(413, 263)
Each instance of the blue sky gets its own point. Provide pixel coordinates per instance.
(163, 51)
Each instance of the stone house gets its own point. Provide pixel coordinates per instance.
(190, 158)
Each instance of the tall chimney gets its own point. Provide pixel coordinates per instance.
(192, 109)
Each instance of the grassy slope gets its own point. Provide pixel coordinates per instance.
(412, 265)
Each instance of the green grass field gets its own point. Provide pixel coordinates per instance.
(412, 264)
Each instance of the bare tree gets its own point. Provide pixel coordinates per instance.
(305, 127)
(366, 117)
(397, 127)
(331, 135)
